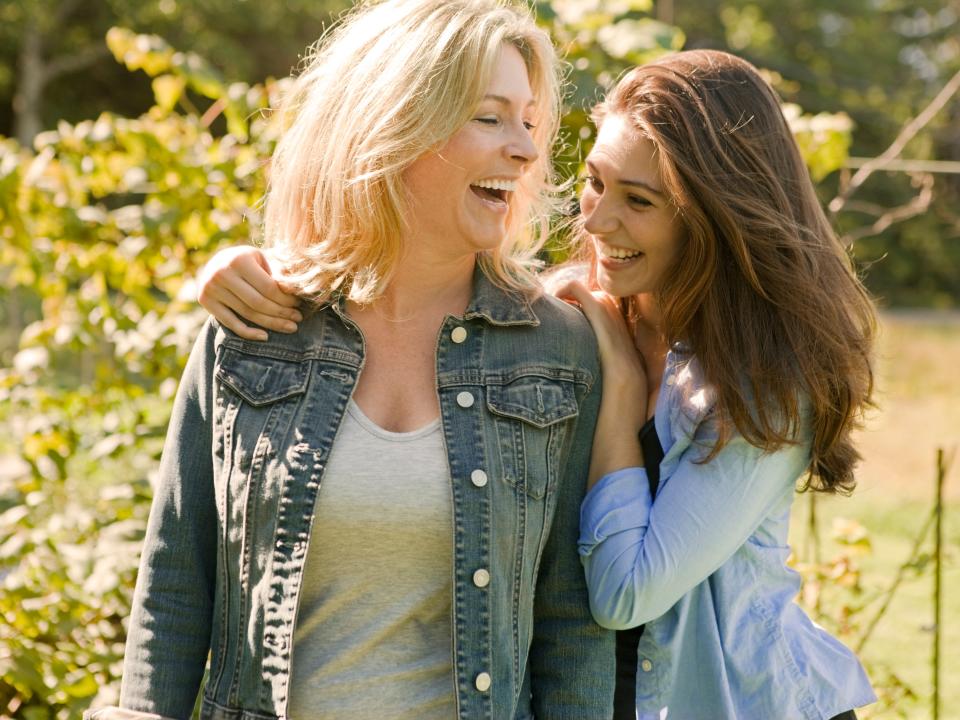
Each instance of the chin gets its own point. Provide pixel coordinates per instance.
(617, 288)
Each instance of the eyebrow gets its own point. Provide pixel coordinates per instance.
(632, 183)
(503, 100)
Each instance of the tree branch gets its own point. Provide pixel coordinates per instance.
(65, 64)
(916, 206)
(905, 136)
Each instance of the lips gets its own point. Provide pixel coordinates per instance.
(617, 254)
(494, 190)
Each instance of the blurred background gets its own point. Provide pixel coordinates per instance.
(133, 143)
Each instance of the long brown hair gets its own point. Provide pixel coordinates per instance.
(762, 292)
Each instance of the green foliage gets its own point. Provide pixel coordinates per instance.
(106, 224)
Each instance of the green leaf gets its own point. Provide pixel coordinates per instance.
(167, 89)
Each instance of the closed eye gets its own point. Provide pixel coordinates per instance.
(594, 183)
(638, 200)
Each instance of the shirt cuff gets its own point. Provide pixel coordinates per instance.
(620, 501)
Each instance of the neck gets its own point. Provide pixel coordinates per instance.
(648, 331)
(424, 286)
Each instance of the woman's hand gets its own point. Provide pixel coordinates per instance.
(237, 283)
(623, 409)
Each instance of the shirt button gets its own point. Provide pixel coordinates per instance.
(481, 578)
(671, 379)
(482, 682)
(478, 478)
(646, 665)
(459, 334)
(464, 399)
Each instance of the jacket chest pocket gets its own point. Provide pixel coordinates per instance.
(530, 413)
(258, 399)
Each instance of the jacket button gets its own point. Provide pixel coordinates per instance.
(482, 682)
(481, 578)
(464, 399)
(478, 478)
(646, 665)
(671, 379)
(459, 334)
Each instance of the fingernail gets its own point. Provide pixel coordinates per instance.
(262, 337)
(297, 317)
(290, 327)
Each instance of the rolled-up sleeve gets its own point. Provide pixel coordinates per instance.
(640, 556)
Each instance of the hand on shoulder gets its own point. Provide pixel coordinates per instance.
(237, 284)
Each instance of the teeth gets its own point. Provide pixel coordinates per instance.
(508, 185)
(618, 253)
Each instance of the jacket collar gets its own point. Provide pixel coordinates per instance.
(491, 302)
(495, 304)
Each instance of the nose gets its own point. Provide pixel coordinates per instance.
(522, 148)
(598, 217)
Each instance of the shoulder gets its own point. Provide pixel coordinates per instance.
(688, 393)
(557, 316)
(567, 332)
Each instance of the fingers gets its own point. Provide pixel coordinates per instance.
(236, 283)
(256, 270)
(223, 297)
(229, 319)
(255, 300)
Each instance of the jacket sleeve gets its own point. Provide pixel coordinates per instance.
(571, 657)
(642, 556)
(168, 637)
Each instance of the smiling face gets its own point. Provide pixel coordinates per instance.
(460, 194)
(633, 225)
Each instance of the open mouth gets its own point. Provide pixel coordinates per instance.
(496, 192)
(489, 194)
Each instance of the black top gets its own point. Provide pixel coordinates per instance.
(625, 699)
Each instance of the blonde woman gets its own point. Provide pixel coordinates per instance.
(376, 517)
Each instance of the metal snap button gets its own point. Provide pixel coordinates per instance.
(646, 665)
(482, 682)
(464, 399)
(481, 578)
(478, 478)
(458, 334)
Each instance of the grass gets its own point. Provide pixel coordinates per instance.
(919, 412)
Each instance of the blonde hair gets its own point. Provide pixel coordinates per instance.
(389, 82)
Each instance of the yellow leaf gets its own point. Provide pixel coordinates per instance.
(167, 89)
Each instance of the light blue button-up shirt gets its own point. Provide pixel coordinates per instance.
(705, 568)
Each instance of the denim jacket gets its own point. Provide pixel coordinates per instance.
(704, 566)
(251, 431)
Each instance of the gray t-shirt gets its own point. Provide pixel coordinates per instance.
(373, 638)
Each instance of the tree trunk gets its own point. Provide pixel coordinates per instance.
(665, 11)
(28, 99)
